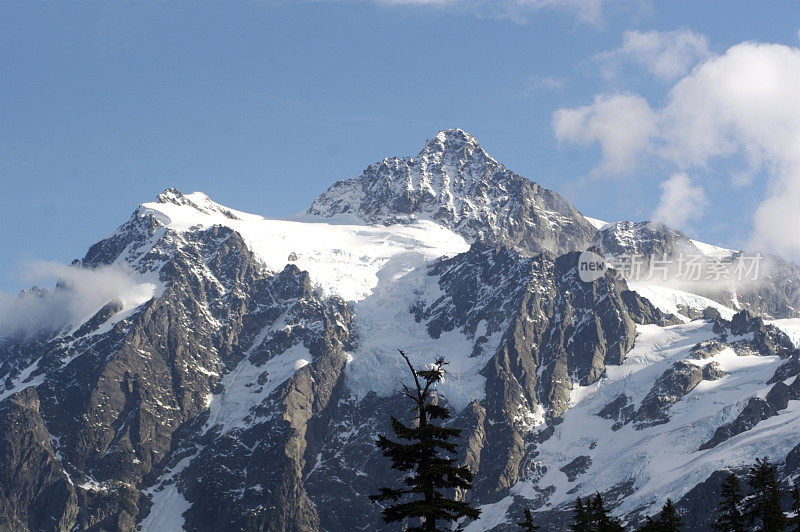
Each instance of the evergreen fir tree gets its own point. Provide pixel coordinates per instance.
(425, 455)
(766, 504)
(794, 521)
(527, 523)
(669, 520)
(581, 518)
(599, 518)
(649, 525)
(729, 517)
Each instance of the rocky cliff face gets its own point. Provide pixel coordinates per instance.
(243, 380)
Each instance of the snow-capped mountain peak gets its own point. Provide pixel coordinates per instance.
(456, 183)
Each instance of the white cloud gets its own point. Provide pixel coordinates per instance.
(81, 292)
(549, 83)
(742, 106)
(585, 11)
(681, 202)
(622, 124)
(666, 55)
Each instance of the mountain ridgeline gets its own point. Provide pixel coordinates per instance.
(241, 383)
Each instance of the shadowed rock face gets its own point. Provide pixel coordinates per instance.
(454, 182)
(35, 492)
(129, 400)
(754, 411)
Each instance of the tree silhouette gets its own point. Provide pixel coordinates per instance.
(581, 516)
(599, 520)
(424, 453)
(794, 521)
(669, 520)
(766, 504)
(729, 517)
(527, 523)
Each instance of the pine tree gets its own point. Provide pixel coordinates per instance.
(426, 458)
(766, 504)
(794, 521)
(729, 517)
(581, 517)
(669, 520)
(527, 523)
(649, 525)
(599, 518)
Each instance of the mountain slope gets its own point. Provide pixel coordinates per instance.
(240, 380)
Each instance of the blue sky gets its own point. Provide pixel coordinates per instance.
(264, 105)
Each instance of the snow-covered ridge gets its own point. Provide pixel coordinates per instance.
(344, 260)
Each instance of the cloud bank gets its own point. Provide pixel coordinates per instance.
(739, 106)
(79, 294)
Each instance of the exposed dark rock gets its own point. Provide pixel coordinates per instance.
(794, 389)
(713, 371)
(102, 316)
(695, 504)
(711, 314)
(620, 410)
(643, 238)
(792, 462)
(788, 369)
(35, 492)
(756, 410)
(778, 397)
(643, 312)
(707, 349)
(749, 335)
(670, 387)
(577, 467)
(690, 312)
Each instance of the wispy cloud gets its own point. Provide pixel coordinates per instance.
(548, 83)
(584, 11)
(80, 293)
(681, 202)
(667, 55)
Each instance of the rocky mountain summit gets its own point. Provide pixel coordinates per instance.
(239, 377)
(454, 182)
